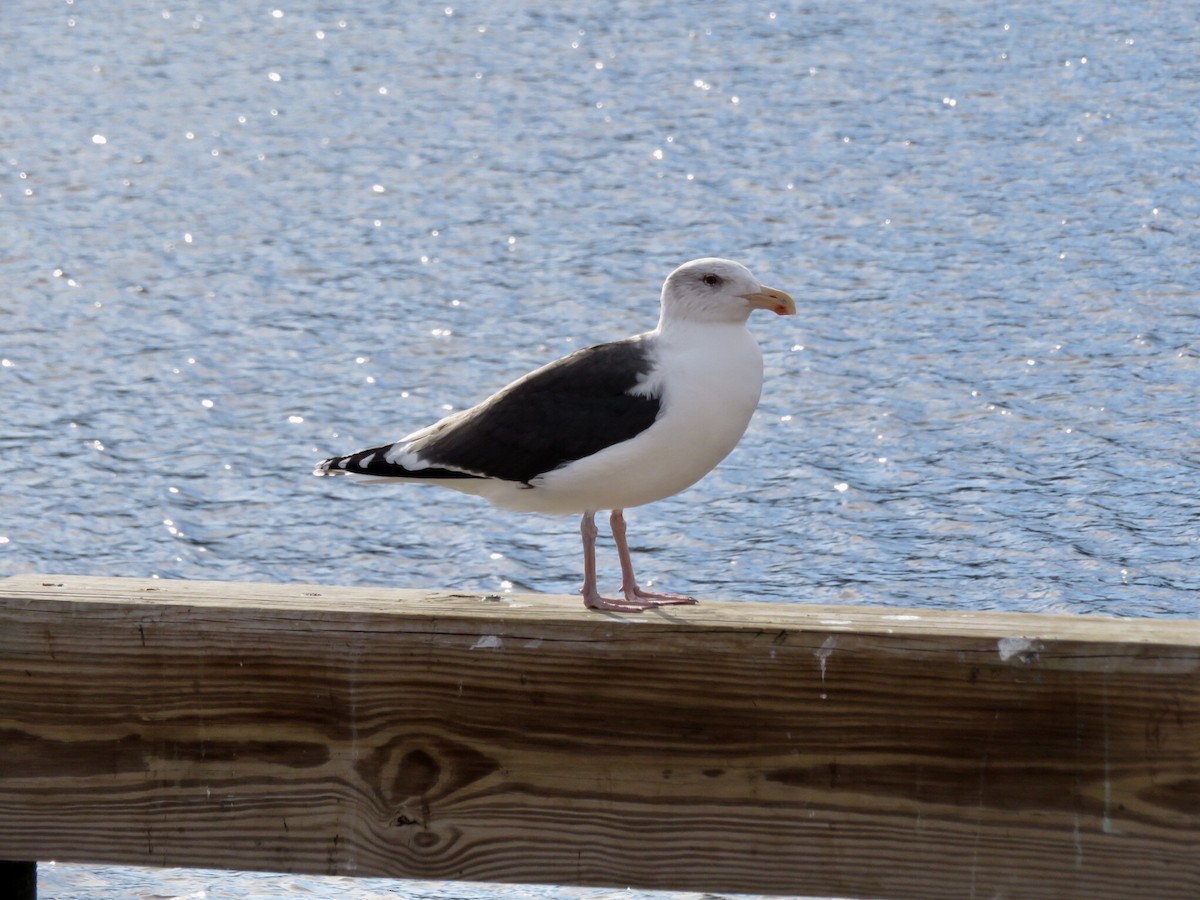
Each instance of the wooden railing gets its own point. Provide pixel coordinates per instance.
(746, 747)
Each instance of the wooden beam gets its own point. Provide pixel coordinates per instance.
(750, 747)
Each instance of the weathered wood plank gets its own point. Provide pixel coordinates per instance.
(750, 747)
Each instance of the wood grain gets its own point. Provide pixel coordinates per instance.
(749, 747)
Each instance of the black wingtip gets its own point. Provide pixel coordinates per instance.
(374, 462)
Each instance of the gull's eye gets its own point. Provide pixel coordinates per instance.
(712, 279)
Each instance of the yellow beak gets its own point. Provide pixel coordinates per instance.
(779, 302)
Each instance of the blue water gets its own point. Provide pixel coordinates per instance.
(235, 239)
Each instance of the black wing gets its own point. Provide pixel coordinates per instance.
(564, 411)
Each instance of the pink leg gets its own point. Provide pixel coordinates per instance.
(591, 594)
(637, 598)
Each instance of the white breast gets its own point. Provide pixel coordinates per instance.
(710, 379)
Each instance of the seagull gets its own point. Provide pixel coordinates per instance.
(608, 427)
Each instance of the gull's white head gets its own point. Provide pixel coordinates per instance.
(718, 291)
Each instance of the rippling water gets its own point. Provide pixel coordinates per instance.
(236, 239)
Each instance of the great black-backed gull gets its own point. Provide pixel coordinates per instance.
(606, 427)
